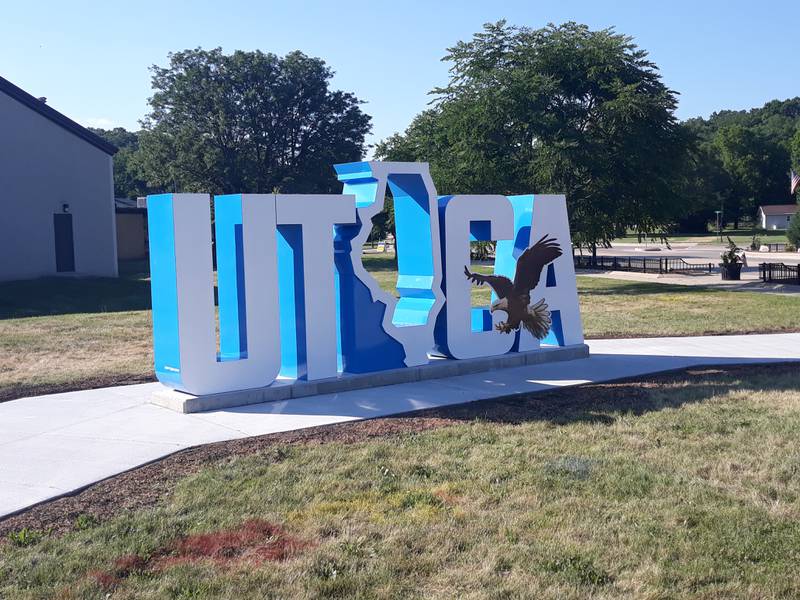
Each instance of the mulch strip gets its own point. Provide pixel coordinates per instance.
(150, 484)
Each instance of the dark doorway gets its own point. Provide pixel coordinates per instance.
(65, 246)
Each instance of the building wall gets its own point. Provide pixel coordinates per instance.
(131, 235)
(42, 167)
(773, 222)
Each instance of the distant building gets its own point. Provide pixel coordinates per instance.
(131, 228)
(56, 192)
(776, 216)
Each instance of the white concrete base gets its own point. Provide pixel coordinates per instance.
(438, 368)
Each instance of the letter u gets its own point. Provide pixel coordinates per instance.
(181, 271)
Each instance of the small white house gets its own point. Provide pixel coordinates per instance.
(776, 216)
(56, 192)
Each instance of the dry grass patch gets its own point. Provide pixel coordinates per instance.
(50, 354)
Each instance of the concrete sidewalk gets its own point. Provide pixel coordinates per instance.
(57, 444)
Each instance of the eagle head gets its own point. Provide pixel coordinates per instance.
(499, 304)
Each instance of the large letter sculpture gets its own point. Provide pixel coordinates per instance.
(295, 299)
(181, 275)
(464, 332)
(378, 330)
(308, 295)
(534, 218)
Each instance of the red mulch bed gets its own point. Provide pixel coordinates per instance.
(254, 541)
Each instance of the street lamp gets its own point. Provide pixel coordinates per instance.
(719, 224)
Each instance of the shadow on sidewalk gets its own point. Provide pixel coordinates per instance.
(554, 392)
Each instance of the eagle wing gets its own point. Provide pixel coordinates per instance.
(531, 263)
(501, 284)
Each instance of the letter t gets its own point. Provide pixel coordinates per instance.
(306, 274)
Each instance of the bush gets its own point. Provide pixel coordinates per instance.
(755, 243)
(85, 521)
(733, 255)
(793, 232)
(25, 537)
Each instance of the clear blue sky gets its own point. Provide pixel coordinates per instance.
(91, 59)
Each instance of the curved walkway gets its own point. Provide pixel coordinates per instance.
(57, 444)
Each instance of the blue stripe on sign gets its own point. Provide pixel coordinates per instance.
(230, 277)
(555, 337)
(292, 301)
(164, 289)
(480, 319)
(414, 249)
(551, 275)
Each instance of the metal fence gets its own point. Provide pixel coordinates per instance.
(641, 264)
(779, 273)
(775, 247)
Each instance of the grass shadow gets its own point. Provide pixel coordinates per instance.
(70, 295)
(375, 262)
(605, 403)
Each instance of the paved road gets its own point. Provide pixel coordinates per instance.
(53, 445)
(695, 253)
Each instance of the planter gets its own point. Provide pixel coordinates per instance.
(731, 272)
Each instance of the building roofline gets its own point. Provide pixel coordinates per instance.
(773, 210)
(56, 117)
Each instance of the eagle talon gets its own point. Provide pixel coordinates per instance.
(503, 327)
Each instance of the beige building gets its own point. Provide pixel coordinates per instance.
(131, 229)
(56, 193)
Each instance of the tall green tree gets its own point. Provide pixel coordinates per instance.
(795, 150)
(128, 180)
(753, 148)
(248, 122)
(793, 231)
(707, 188)
(560, 109)
(757, 166)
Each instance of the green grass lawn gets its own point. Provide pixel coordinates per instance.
(62, 334)
(615, 308)
(682, 486)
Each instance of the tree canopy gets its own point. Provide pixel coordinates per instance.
(248, 121)
(746, 158)
(128, 179)
(562, 109)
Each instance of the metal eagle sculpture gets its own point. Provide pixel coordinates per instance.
(514, 297)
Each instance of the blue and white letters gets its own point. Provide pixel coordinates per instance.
(294, 299)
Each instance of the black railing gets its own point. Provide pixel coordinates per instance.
(775, 247)
(779, 273)
(641, 264)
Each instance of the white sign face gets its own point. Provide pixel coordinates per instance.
(410, 318)
(550, 218)
(317, 215)
(294, 297)
(459, 339)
